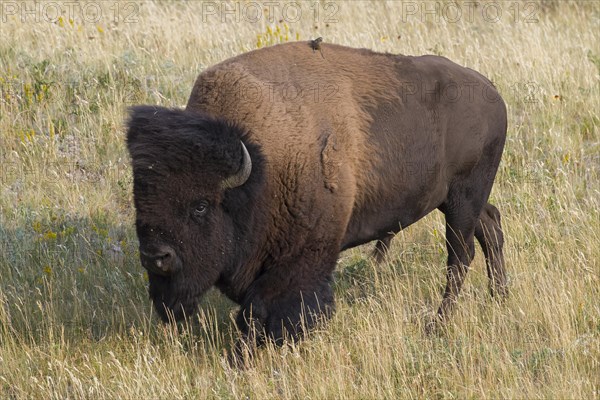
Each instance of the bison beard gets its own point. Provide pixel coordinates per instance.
(258, 196)
(168, 306)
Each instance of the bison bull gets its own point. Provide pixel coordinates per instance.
(283, 158)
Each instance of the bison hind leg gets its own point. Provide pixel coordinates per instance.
(462, 209)
(461, 250)
(491, 238)
(381, 249)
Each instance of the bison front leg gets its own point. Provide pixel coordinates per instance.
(284, 304)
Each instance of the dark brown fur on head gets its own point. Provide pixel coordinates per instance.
(166, 141)
(179, 160)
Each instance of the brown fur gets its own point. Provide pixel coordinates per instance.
(372, 143)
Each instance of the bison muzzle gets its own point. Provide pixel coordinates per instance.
(283, 158)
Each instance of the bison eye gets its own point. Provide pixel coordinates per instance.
(200, 210)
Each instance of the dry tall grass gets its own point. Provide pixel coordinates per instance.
(75, 321)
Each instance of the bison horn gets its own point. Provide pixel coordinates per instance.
(240, 177)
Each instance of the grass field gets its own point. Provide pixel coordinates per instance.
(75, 319)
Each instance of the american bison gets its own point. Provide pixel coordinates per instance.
(283, 157)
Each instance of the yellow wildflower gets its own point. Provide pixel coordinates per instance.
(49, 235)
(37, 226)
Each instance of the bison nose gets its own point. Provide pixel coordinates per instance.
(162, 260)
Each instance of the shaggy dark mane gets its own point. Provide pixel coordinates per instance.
(163, 140)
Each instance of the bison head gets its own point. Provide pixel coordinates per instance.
(191, 177)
